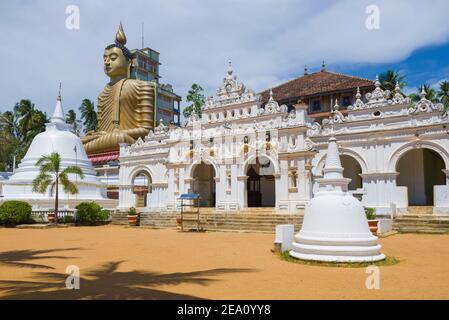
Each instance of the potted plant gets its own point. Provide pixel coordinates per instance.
(51, 216)
(372, 221)
(133, 217)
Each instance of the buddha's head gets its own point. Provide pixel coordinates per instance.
(117, 58)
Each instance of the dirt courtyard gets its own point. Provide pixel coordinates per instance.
(130, 263)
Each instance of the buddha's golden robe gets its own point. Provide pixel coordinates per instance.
(125, 113)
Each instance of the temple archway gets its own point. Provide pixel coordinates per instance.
(203, 175)
(260, 185)
(141, 187)
(352, 170)
(420, 170)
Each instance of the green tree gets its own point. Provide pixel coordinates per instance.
(73, 122)
(390, 78)
(88, 115)
(39, 120)
(8, 123)
(51, 175)
(18, 129)
(196, 97)
(443, 94)
(24, 111)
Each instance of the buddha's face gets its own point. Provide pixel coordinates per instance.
(115, 63)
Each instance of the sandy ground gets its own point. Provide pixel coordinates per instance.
(128, 263)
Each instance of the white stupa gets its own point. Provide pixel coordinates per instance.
(56, 138)
(335, 228)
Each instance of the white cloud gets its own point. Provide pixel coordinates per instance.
(267, 40)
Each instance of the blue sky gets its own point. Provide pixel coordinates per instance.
(269, 42)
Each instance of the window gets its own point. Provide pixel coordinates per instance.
(346, 101)
(316, 105)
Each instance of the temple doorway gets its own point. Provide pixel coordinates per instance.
(260, 186)
(141, 187)
(420, 170)
(352, 170)
(204, 184)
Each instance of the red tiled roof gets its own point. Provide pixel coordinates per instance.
(100, 158)
(315, 84)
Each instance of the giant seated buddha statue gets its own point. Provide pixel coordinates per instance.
(125, 107)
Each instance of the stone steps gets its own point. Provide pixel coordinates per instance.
(413, 210)
(239, 222)
(421, 224)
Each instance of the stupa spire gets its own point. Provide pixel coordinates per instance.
(58, 114)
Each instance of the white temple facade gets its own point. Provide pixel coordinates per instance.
(242, 153)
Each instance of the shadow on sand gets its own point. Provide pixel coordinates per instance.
(19, 258)
(106, 282)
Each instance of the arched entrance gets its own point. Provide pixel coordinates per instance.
(260, 186)
(204, 183)
(420, 170)
(141, 186)
(352, 170)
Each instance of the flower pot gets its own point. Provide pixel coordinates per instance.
(133, 220)
(51, 217)
(373, 226)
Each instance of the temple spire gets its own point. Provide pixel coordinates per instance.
(323, 67)
(58, 114)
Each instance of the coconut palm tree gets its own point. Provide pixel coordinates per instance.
(390, 78)
(24, 111)
(443, 94)
(88, 115)
(51, 175)
(73, 121)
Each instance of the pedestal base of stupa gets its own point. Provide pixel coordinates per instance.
(363, 249)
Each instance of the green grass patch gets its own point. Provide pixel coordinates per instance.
(388, 261)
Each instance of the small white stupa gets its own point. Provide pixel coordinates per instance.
(56, 138)
(335, 227)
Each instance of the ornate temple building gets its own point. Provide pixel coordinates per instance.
(268, 150)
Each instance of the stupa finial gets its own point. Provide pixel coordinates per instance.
(58, 114)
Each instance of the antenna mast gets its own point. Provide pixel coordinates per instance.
(143, 34)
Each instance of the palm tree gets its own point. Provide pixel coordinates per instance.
(8, 123)
(443, 94)
(390, 78)
(51, 175)
(24, 111)
(37, 125)
(73, 121)
(88, 115)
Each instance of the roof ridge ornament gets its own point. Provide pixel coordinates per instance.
(378, 97)
(231, 92)
(335, 117)
(272, 106)
(425, 105)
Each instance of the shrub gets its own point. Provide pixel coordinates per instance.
(15, 212)
(370, 213)
(132, 211)
(90, 213)
(66, 219)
